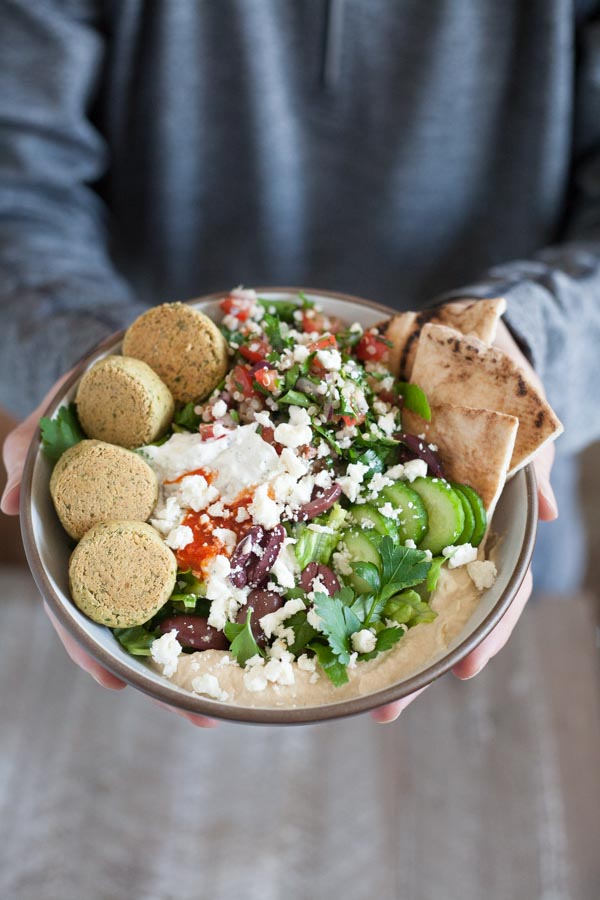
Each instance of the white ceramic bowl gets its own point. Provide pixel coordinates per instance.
(48, 548)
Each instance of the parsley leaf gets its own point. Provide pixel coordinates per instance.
(370, 573)
(284, 309)
(386, 639)
(338, 622)
(295, 398)
(243, 646)
(401, 567)
(272, 328)
(304, 633)
(335, 670)
(60, 433)
(368, 608)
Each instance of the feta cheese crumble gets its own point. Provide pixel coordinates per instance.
(363, 641)
(414, 468)
(459, 556)
(179, 537)
(209, 686)
(297, 431)
(165, 652)
(482, 573)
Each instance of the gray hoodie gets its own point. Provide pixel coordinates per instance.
(153, 151)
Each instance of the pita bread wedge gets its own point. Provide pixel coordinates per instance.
(477, 317)
(476, 445)
(452, 368)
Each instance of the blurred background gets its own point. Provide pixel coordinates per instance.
(487, 788)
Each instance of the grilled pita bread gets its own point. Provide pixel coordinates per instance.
(476, 445)
(476, 317)
(464, 371)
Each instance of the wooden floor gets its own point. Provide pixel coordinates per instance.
(486, 789)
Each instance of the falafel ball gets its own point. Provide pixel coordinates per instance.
(121, 573)
(93, 482)
(183, 346)
(123, 401)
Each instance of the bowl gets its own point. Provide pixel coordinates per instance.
(48, 548)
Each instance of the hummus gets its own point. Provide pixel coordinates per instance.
(454, 600)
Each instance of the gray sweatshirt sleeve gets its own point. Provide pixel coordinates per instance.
(59, 292)
(554, 298)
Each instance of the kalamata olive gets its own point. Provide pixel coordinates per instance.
(324, 574)
(242, 554)
(195, 632)
(319, 504)
(416, 448)
(262, 603)
(272, 542)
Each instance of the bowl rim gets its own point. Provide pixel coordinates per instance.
(192, 703)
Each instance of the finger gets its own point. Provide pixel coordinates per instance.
(15, 450)
(194, 718)
(82, 659)
(391, 711)
(472, 664)
(542, 463)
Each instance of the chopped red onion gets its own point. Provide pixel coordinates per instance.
(417, 448)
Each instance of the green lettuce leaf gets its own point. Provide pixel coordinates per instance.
(243, 646)
(60, 433)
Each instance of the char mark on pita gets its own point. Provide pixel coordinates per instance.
(473, 374)
(476, 317)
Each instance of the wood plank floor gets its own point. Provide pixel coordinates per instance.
(486, 789)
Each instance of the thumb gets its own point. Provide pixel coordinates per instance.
(543, 462)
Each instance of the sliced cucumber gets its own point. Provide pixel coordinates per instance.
(368, 517)
(479, 512)
(361, 548)
(444, 512)
(412, 521)
(467, 532)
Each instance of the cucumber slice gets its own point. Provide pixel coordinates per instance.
(368, 517)
(412, 521)
(361, 549)
(467, 532)
(444, 511)
(479, 512)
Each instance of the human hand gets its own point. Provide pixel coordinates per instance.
(14, 452)
(472, 664)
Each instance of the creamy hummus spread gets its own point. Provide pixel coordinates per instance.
(454, 600)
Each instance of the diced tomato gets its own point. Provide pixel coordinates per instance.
(207, 432)
(240, 379)
(323, 343)
(349, 421)
(371, 347)
(235, 306)
(268, 378)
(255, 351)
(316, 321)
(268, 435)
